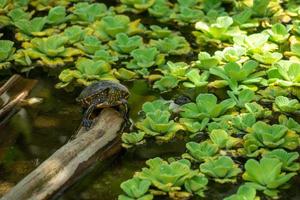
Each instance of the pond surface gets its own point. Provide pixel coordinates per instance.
(34, 133)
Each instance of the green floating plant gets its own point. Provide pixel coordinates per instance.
(85, 13)
(187, 12)
(245, 96)
(206, 61)
(279, 33)
(221, 170)
(206, 106)
(162, 10)
(284, 73)
(222, 122)
(50, 51)
(288, 159)
(157, 32)
(264, 135)
(221, 30)
(167, 177)
(86, 72)
(135, 6)
(173, 74)
(173, 45)
(284, 104)
(196, 185)
(6, 53)
(74, 34)
(200, 152)
(245, 192)
(153, 106)
(109, 26)
(124, 44)
(243, 122)
(195, 79)
(90, 44)
(223, 140)
(239, 76)
(132, 139)
(266, 175)
(231, 54)
(30, 28)
(57, 15)
(105, 55)
(258, 110)
(136, 189)
(289, 123)
(144, 58)
(268, 58)
(158, 124)
(255, 44)
(195, 116)
(19, 14)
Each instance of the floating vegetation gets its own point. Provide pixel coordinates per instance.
(228, 75)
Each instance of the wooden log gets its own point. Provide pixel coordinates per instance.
(9, 83)
(25, 88)
(71, 160)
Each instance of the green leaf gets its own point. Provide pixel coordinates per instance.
(56, 15)
(6, 49)
(135, 187)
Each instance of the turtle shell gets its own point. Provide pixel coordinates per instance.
(103, 91)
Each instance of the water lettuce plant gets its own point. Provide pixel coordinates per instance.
(265, 175)
(132, 139)
(196, 185)
(284, 104)
(6, 52)
(135, 189)
(206, 61)
(165, 176)
(221, 30)
(288, 159)
(221, 170)
(237, 75)
(173, 45)
(50, 52)
(222, 139)
(284, 73)
(173, 74)
(159, 125)
(206, 106)
(30, 27)
(245, 192)
(86, 72)
(125, 44)
(264, 135)
(109, 26)
(200, 151)
(144, 58)
(85, 13)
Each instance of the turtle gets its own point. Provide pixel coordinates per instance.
(103, 94)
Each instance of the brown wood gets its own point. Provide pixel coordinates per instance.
(10, 83)
(71, 160)
(25, 88)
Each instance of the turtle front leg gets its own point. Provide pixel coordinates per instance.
(125, 110)
(86, 121)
